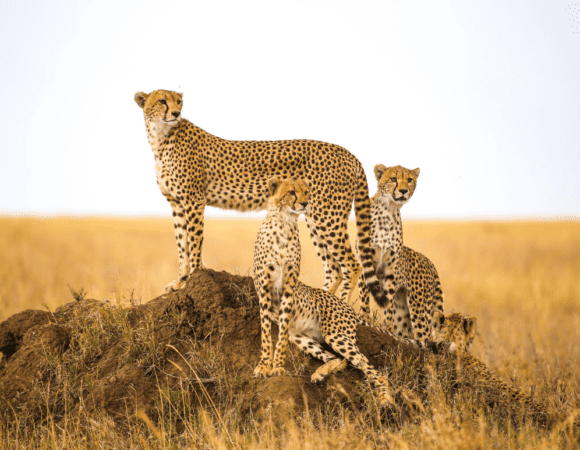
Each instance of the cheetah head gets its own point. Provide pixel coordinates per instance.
(291, 195)
(161, 106)
(455, 328)
(396, 184)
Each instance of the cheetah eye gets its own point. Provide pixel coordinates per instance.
(393, 178)
(179, 102)
(292, 193)
(163, 102)
(409, 180)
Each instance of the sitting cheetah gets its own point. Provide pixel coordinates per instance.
(306, 316)
(195, 169)
(410, 280)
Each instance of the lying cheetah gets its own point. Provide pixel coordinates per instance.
(410, 280)
(195, 169)
(479, 372)
(460, 330)
(306, 316)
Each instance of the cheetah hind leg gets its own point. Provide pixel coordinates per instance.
(332, 272)
(333, 276)
(332, 364)
(180, 230)
(351, 353)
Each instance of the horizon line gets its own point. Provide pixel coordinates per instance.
(254, 215)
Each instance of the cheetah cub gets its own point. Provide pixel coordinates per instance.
(306, 316)
(455, 328)
(460, 330)
(410, 280)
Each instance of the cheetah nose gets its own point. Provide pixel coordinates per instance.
(304, 204)
(175, 114)
(403, 191)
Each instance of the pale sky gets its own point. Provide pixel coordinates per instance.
(484, 97)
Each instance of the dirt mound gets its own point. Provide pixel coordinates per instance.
(197, 346)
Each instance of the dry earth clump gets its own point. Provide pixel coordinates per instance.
(197, 347)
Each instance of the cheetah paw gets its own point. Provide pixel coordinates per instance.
(277, 371)
(174, 286)
(261, 371)
(332, 366)
(382, 388)
(385, 399)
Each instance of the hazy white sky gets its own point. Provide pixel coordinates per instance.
(484, 97)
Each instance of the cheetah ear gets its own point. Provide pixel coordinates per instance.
(180, 95)
(417, 171)
(273, 184)
(379, 169)
(141, 98)
(438, 318)
(470, 326)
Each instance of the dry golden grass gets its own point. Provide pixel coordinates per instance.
(520, 279)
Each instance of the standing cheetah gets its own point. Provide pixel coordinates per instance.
(306, 316)
(410, 280)
(195, 169)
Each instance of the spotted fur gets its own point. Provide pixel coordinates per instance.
(195, 169)
(308, 317)
(410, 280)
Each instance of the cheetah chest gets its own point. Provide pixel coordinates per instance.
(163, 179)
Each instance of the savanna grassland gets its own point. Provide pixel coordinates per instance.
(519, 278)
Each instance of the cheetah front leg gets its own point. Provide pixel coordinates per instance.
(385, 268)
(263, 285)
(396, 303)
(289, 278)
(420, 320)
(398, 315)
(180, 229)
(195, 221)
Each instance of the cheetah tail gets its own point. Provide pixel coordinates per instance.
(438, 297)
(362, 209)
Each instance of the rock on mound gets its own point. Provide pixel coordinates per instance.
(197, 346)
